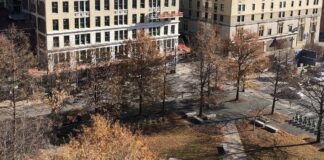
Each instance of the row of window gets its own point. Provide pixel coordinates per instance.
(100, 54)
(280, 15)
(280, 29)
(215, 16)
(241, 7)
(83, 56)
(207, 5)
(155, 31)
(241, 18)
(83, 5)
(282, 4)
(84, 22)
(83, 39)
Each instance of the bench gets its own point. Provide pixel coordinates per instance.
(271, 129)
(191, 114)
(211, 116)
(258, 123)
(264, 119)
(198, 119)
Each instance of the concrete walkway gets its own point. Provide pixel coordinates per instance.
(232, 143)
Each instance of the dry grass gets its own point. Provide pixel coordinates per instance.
(186, 142)
(103, 140)
(260, 144)
(278, 117)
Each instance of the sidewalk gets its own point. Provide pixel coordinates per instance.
(232, 143)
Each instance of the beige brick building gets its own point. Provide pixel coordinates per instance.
(295, 22)
(69, 30)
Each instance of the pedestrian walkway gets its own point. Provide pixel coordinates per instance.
(232, 143)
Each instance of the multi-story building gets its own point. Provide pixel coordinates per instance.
(294, 22)
(11, 5)
(322, 22)
(91, 31)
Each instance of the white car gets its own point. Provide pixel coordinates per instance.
(318, 78)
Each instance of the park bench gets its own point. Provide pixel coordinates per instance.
(198, 119)
(271, 128)
(211, 116)
(258, 123)
(264, 119)
(191, 114)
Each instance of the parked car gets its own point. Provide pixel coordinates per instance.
(319, 77)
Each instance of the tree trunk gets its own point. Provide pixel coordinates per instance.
(216, 76)
(140, 88)
(202, 83)
(164, 83)
(237, 89)
(320, 121)
(319, 129)
(238, 80)
(275, 92)
(201, 99)
(95, 94)
(164, 94)
(243, 85)
(274, 98)
(208, 83)
(140, 105)
(14, 122)
(14, 105)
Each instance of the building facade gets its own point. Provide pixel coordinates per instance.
(12, 5)
(293, 22)
(90, 31)
(322, 22)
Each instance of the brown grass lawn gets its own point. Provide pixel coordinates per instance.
(260, 144)
(278, 117)
(178, 139)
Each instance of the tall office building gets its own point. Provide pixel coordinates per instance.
(90, 31)
(293, 22)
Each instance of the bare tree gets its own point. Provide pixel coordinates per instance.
(15, 60)
(167, 91)
(142, 67)
(207, 47)
(31, 135)
(315, 95)
(314, 100)
(283, 74)
(257, 111)
(246, 51)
